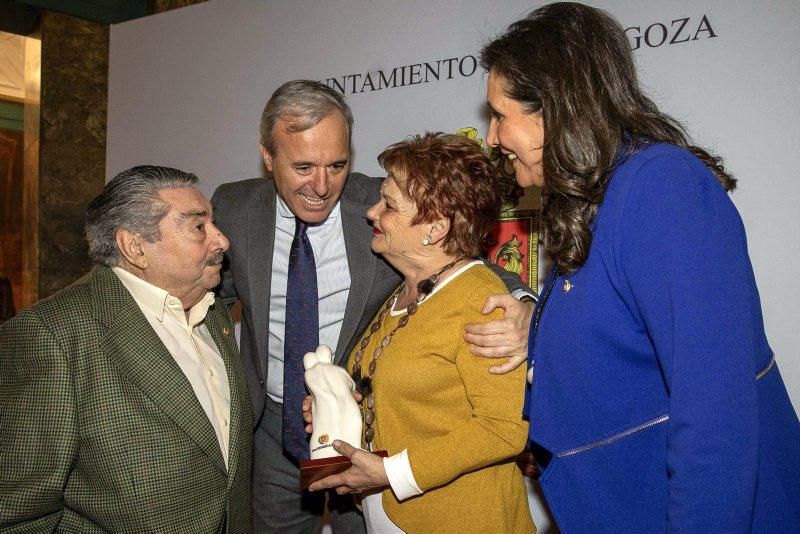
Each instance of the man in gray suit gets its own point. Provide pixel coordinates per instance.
(305, 142)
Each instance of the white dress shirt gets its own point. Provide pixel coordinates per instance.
(191, 344)
(333, 286)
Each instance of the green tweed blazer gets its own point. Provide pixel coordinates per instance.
(100, 431)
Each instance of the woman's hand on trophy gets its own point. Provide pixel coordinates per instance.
(367, 472)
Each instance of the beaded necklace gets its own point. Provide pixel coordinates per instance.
(364, 384)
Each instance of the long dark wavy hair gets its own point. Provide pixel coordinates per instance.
(572, 63)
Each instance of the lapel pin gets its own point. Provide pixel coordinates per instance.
(226, 330)
(567, 286)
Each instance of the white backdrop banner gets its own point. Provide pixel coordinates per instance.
(187, 88)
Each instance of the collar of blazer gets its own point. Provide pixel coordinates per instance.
(359, 193)
(361, 260)
(141, 355)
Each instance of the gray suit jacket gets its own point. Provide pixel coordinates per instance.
(245, 212)
(100, 431)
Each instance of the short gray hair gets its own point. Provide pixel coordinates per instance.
(130, 201)
(303, 103)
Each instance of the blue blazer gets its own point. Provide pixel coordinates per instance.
(656, 403)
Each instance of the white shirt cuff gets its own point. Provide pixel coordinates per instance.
(401, 479)
(519, 293)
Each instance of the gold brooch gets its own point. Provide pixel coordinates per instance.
(567, 286)
(226, 331)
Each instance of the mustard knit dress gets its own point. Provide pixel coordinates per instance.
(462, 426)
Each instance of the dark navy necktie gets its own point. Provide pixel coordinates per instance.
(301, 336)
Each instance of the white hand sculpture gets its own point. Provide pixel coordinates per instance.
(334, 411)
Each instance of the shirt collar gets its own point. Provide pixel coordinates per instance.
(156, 300)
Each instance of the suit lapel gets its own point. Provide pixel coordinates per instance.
(222, 332)
(260, 245)
(361, 261)
(145, 360)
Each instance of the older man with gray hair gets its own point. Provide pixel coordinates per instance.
(123, 405)
(301, 265)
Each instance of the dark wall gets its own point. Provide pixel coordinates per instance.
(74, 98)
(11, 142)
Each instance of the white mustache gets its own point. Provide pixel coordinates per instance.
(214, 260)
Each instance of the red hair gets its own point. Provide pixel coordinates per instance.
(448, 177)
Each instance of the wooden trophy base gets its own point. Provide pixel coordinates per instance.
(313, 470)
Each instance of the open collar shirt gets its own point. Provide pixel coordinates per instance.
(188, 340)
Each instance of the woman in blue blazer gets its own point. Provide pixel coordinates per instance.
(655, 404)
